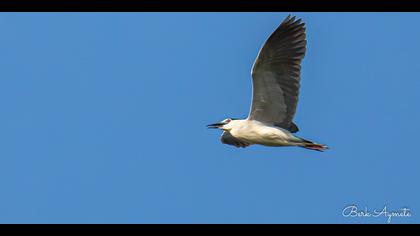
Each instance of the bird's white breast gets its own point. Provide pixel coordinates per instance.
(255, 132)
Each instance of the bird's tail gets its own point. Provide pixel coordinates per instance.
(313, 146)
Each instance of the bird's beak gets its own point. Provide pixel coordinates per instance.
(215, 125)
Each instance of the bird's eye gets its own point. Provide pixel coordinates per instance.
(228, 120)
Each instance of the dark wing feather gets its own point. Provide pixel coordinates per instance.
(227, 138)
(276, 75)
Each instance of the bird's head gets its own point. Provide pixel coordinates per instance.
(225, 124)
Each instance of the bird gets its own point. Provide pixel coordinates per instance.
(276, 82)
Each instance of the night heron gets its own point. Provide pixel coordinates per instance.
(275, 77)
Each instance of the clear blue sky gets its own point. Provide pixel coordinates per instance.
(103, 119)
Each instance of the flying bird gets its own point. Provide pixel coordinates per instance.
(276, 82)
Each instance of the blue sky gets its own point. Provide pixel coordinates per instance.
(103, 119)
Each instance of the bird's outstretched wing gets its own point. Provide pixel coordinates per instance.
(227, 138)
(276, 75)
